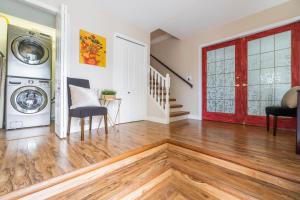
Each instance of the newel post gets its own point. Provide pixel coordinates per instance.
(168, 82)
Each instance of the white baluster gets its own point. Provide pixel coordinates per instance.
(150, 85)
(159, 90)
(164, 95)
(154, 85)
(167, 94)
(152, 79)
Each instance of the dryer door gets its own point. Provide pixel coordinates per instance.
(30, 50)
(29, 100)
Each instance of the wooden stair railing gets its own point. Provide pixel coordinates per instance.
(168, 68)
(159, 89)
(159, 92)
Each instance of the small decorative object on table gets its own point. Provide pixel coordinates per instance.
(108, 94)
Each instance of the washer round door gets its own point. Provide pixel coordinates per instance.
(29, 100)
(30, 50)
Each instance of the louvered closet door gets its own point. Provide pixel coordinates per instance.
(221, 77)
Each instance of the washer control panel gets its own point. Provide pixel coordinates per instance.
(14, 81)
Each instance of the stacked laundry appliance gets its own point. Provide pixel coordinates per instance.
(28, 81)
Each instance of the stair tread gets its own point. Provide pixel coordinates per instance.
(178, 113)
(176, 106)
(170, 99)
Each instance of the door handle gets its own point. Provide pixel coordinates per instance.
(237, 85)
(244, 84)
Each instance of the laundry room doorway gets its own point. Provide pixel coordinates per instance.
(30, 89)
(61, 108)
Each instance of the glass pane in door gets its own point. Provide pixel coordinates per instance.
(269, 71)
(221, 80)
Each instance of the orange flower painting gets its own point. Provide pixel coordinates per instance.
(92, 49)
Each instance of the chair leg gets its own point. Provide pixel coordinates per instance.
(82, 128)
(69, 125)
(275, 125)
(91, 122)
(105, 124)
(268, 122)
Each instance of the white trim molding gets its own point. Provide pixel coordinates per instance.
(196, 117)
(254, 31)
(41, 5)
(158, 120)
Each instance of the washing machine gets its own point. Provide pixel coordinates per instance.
(28, 53)
(27, 102)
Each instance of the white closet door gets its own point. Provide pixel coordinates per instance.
(129, 79)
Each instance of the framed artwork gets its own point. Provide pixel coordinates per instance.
(92, 49)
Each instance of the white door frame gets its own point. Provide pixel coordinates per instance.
(146, 51)
(61, 10)
(243, 34)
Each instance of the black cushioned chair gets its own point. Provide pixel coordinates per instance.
(83, 112)
(278, 111)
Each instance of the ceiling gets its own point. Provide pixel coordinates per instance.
(183, 18)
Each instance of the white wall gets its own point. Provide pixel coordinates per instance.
(18, 9)
(91, 18)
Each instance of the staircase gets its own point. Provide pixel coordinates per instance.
(159, 91)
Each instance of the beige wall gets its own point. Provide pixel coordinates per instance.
(183, 55)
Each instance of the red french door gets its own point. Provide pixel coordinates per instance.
(266, 66)
(221, 76)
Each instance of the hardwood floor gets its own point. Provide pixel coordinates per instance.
(31, 156)
(170, 172)
(29, 159)
(245, 145)
(164, 191)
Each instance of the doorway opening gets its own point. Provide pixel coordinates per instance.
(29, 73)
(243, 76)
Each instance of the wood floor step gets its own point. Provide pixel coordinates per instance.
(227, 177)
(165, 172)
(170, 99)
(176, 106)
(164, 190)
(154, 83)
(160, 93)
(179, 113)
(159, 90)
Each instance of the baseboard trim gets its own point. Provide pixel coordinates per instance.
(196, 117)
(158, 120)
